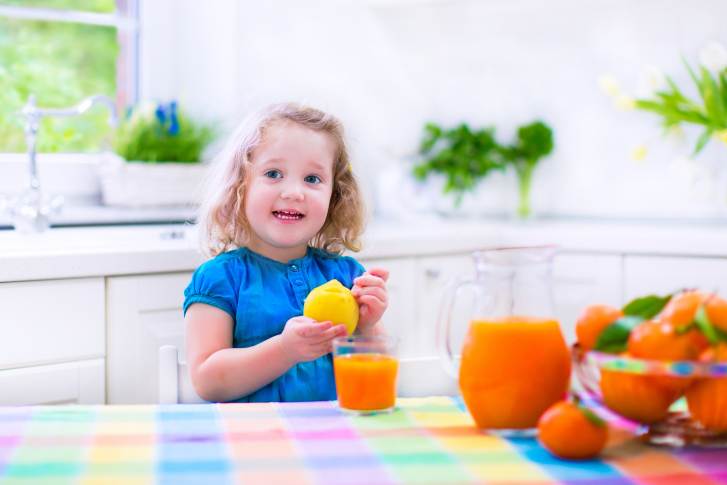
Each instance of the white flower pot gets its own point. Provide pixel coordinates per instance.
(144, 184)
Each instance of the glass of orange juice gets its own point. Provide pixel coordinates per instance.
(514, 361)
(366, 368)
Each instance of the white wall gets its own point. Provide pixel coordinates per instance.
(388, 67)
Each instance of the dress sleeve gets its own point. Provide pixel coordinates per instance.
(215, 283)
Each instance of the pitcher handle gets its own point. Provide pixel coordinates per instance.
(445, 320)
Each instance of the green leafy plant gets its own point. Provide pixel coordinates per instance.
(667, 100)
(534, 141)
(466, 156)
(462, 155)
(166, 134)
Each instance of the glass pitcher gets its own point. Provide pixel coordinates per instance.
(515, 362)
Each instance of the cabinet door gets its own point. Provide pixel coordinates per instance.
(45, 322)
(661, 275)
(79, 382)
(433, 273)
(143, 313)
(400, 315)
(580, 280)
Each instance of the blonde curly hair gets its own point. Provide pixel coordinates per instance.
(221, 219)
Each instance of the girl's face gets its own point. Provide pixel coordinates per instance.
(286, 201)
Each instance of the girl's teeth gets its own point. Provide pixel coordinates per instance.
(287, 215)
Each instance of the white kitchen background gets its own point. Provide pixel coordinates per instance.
(387, 67)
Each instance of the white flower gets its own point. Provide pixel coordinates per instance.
(609, 85)
(651, 81)
(714, 57)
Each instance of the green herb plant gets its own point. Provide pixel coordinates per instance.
(466, 156)
(462, 155)
(165, 135)
(534, 141)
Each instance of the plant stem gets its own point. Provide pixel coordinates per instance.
(525, 176)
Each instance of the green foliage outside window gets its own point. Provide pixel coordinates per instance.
(96, 6)
(61, 63)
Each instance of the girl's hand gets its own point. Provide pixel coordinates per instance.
(372, 297)
(303, 339)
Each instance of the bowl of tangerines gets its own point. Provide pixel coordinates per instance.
(661, 362)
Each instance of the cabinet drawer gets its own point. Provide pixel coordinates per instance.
(80, 382)
(51, 321)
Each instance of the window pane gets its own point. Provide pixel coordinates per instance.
(61, 63)
(98, 6)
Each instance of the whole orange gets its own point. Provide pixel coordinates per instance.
(660, 340)
(592, 321)
(707, 397)
(682, 308)
(643, 398)
(566, 432)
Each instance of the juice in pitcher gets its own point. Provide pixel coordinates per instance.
(513, 368)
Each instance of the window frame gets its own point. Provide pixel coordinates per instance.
(127, 25)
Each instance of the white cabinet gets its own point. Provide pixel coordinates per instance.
(52, 341)
(580, 280)
(143, 313)
(80, 382)
(432, 275)
(661, 275)
(400, 316)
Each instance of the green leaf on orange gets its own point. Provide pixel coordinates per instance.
(615, 337)
(647, 307)
(702, 322)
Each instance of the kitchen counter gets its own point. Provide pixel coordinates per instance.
(142, 249)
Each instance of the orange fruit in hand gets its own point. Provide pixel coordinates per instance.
(566, 431)
(707, 397)
(661, 340)
(592, 321)
(682, 308)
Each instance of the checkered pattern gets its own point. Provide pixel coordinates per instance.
(425, 441)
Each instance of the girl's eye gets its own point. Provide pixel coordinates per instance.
(313, 179)
(273, 174)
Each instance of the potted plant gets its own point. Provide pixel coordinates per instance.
(534, 141)
(158, 163)
(462, 156)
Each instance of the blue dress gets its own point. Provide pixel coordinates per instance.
(261, 295)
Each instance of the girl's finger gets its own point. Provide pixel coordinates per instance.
(369, 280)
(330, 334)
(313, 329)
(372, 291)
(381, 272)
(371, 302)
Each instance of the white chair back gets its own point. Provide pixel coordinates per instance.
(418, 377)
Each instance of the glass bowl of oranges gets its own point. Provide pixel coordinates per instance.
(660, 362)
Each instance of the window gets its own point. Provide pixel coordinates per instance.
(63, 51)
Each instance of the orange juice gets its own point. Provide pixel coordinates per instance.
(365, 382)
(513, 369)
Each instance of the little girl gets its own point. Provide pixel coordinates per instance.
(283, 205)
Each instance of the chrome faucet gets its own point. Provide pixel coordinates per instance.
(32, 211)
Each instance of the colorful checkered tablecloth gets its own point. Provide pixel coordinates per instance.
(425, 441)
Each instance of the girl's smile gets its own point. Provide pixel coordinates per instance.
(286, 202)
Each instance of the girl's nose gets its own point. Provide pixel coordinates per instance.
(292, 190)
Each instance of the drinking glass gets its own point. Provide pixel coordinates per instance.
(366, 369)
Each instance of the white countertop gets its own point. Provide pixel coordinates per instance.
(142, 249)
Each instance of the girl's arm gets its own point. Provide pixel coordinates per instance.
(221, 373)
